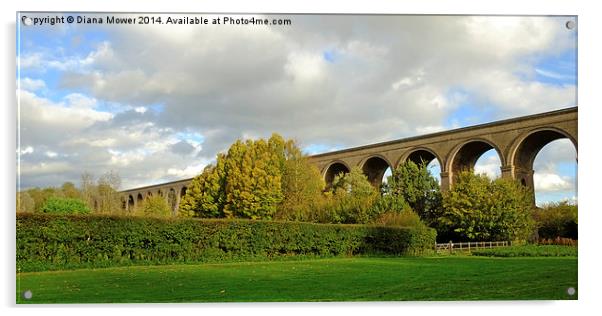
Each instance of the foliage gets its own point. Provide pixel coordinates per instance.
(154, 206)
(302, 186)
(352, 199)
(528, 251)
(70, 191)
(252, 180)
(59, 205)
(39, 196)
(556, 220)
(558, 241)
(415, 185)
(480, 209)
(24, 202)
(102, 195)
(58, 242)
(407, 218)
(255, 179)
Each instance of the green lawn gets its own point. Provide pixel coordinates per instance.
(338, 279)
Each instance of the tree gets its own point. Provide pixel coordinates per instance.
(353, 198)
(205, 196)
(244, 183)
(557, 219)
(70, 191)
(415, 185)
(102, 196)
(154, 206)
(40, 196)
(302, 188)
(24, 202)
(108, 199)
(88, 189)
(62, 205)
(478, 208)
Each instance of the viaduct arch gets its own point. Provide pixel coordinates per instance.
(517, 142)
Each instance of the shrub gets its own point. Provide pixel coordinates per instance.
(352, 199)
(480, 209)
(69, 241)
(58, 205)
(154, 206)
(407, 218)
(558, 241)
(417, 187)
(556, 220)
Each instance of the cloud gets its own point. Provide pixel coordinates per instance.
(327, 81)
(550, 182)
(182, 148)
(32, 84)
(489, 164)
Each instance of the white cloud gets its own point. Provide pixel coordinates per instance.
(32, 84)
(25, 151)
(550, 182)
(489, 165)
(387, 77)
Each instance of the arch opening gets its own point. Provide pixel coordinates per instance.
(334, 170)
(489, 164)
(467, 156)
(432, 162)
(171, 199)
(546, 162)
(374, 168)
(183, 191)
(529, 148)
(130, 205)
(139, 199)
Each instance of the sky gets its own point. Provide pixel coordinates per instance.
(155, 103)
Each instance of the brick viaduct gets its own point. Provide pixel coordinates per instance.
(516, 141)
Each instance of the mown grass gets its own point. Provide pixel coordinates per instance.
(337, 279)
(529, 251)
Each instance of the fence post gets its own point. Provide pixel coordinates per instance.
(450, 247)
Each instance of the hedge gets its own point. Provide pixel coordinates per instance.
(48, 242)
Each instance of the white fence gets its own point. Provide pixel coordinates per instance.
(468, 246)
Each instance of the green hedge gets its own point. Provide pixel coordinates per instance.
(46, 242)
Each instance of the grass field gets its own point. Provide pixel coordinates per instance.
(529, 251)
(338, 279)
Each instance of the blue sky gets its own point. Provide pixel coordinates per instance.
(157, 103)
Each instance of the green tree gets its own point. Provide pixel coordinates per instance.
(302, 188)
(415, 185)
(353, 198)
(246, 182)
(40, 196)
(478, 208)
(62, 205)
(154, 206)
(556, 219)
(253, 180)
(205, 196)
